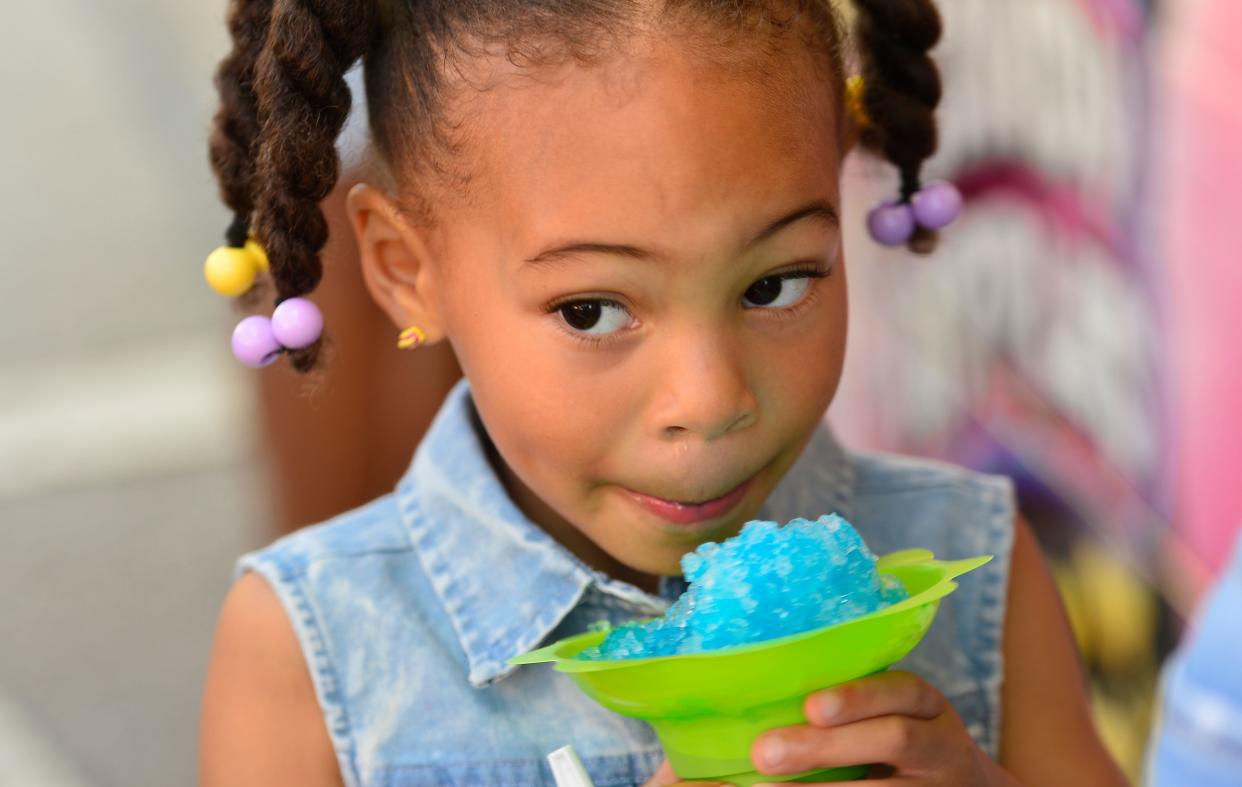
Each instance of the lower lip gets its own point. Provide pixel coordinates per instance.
(685, 514)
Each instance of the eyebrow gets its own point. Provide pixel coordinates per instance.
(818, 210)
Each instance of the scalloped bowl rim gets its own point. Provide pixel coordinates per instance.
(903, 559)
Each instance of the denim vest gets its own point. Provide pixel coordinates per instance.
(407, 608)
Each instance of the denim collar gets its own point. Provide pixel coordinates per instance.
(504, 583)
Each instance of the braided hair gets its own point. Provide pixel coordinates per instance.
(235, 133)
(303, 103)
(903, 89)
(284, 98)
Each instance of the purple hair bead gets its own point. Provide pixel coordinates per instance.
(891, 223)
(297, 323)
(936, 205)
(254, 344)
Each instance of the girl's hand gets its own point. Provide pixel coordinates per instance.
(893, 719)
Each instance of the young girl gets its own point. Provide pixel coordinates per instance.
(623, 217)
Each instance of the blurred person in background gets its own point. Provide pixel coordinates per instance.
(1198, 739)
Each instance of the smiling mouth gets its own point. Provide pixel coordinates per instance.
(686, 513)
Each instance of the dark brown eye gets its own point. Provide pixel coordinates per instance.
(764, 291)
(582, 315)
(783, 290)
(598, 316)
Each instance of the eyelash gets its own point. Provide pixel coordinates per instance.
(812, 292)
(586, 339)
(789, 312)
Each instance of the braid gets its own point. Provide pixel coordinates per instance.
(903, 88)
(303, 103)
(235, 129)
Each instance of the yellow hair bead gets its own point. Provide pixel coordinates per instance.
(260, 256)
(855, 87)
(411, 337)
(230, 271)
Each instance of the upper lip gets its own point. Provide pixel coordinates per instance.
(699, 501)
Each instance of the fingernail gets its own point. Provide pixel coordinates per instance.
(772, 752)
(828, 705)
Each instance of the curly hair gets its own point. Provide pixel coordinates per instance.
(235, 132)
(284, 98)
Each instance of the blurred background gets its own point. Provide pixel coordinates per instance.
(1074, 331)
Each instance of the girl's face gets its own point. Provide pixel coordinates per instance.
(647, 293)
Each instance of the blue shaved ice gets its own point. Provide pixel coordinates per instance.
(768, 581)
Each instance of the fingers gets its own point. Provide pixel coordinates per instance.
(901, 741)
(894, 718)
(884, 694)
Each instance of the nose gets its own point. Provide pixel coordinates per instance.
(704, 390)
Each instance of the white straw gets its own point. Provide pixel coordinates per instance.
(567, 768)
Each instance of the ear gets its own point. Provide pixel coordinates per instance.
(396, 263)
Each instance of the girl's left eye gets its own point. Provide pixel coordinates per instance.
(780, 290)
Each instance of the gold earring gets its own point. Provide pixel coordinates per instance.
(411, 337)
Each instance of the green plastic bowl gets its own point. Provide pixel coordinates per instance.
(708, 708)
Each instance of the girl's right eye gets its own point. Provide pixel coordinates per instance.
(595, 317)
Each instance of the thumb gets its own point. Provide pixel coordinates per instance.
(664, 777)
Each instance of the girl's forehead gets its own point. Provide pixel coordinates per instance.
(652, 137)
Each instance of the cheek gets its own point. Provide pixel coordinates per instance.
(545, 412)
(803, 369)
